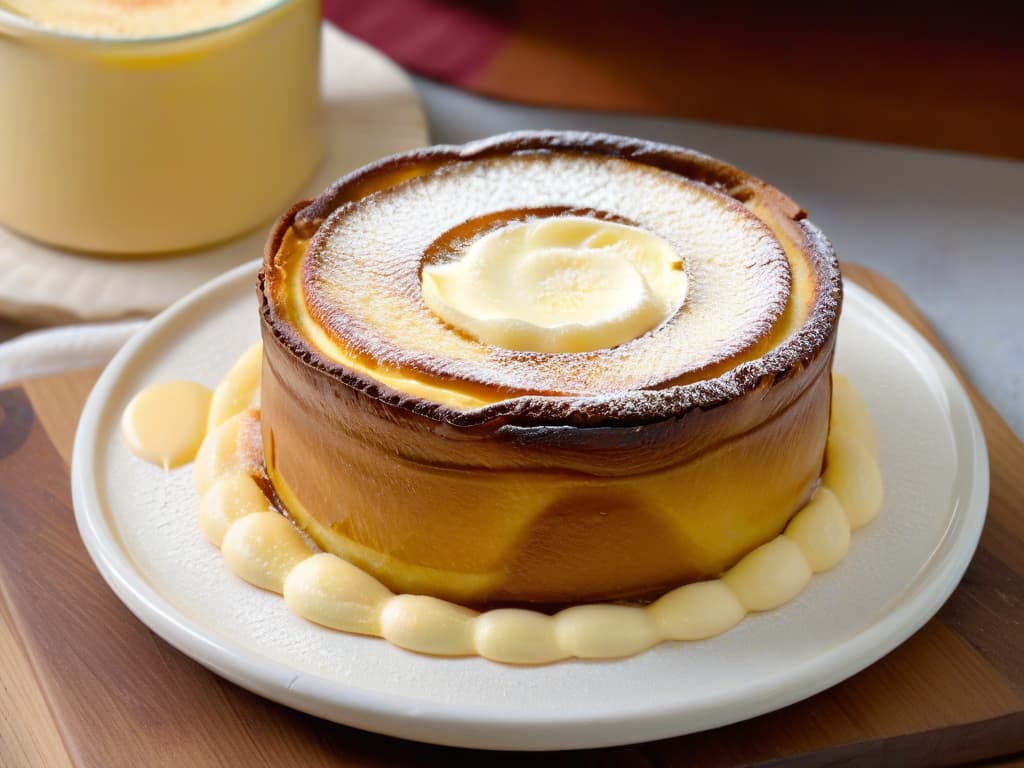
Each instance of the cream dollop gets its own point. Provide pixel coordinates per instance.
(165, 423)
(562, 284)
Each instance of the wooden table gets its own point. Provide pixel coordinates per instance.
(86, 684)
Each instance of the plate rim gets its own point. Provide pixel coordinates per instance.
(452, 725)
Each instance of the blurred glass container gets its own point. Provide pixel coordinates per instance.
(134, 146)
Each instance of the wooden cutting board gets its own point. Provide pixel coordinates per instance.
(86, 684)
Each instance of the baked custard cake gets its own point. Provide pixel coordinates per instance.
(546, 367)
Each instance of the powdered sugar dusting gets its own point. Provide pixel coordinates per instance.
(523, 414)
(362, 272)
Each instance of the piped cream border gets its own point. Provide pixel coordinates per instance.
(265, 549)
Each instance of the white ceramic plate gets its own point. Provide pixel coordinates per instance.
(371, 110)
(139, 525)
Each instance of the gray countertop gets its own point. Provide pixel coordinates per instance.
(947, 228)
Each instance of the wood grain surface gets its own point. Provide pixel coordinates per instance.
(83, 683)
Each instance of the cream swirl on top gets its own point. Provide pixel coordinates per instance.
(360, 296)
(562, 284)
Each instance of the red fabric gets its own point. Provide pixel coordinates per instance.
(439, 40)
(942, 80)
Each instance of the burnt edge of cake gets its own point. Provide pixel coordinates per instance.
(520, 415)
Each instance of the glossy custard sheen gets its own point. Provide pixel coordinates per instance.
(134, 18)
(135, 127)
(445, 465)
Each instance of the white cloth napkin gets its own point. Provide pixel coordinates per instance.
(60, 350)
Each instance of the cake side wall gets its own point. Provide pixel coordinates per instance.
(530, 521)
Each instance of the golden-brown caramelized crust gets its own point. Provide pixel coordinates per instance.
(449, 467)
